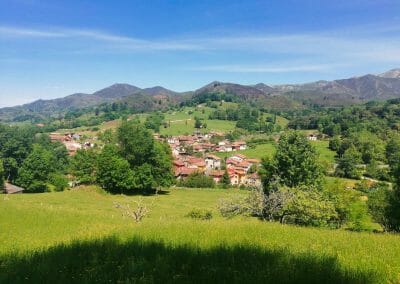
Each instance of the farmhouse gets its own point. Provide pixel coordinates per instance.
(312, 137)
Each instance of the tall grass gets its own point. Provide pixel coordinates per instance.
(78, 236)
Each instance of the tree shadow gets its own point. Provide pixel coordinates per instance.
(147, 192)
(138, 261)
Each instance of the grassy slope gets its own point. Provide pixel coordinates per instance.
(182, 249)
(181, 122)
(267, 150)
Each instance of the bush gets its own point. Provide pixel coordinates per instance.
(59, 182)
(200, 214)
(198, 180)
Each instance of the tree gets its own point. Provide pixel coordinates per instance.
(1, 175)
(294, 164)
(393, 208)
(198, 180)
(113, 172)
(35, 170)
(136, 143)
(83, 166)
(150, 161)
(225, 180)
(378, 200)
(334, 143)
(347, 166)
(197, 122)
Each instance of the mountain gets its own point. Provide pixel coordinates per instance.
(261, 95)
(280, 97)
(116, 91)
(48, 108)
(265, 88)
(345, 91)
(242, 91)
(394, 73)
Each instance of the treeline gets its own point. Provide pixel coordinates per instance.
(130, 160)
(248, 118)
(375, 117)
(31, 160)
(295, 192)
(364, 136)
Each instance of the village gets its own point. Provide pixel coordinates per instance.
(193, 154)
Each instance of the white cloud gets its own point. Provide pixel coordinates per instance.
(333, 46)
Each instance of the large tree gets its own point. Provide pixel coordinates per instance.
(150, 161)
(1, 175)
(347, 166)
(35, 169)
(113, 172)
(294, 164)
(83, 166)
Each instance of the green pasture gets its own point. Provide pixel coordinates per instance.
(80, 236)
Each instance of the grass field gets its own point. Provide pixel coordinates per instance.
(80, 237)
(268, 150)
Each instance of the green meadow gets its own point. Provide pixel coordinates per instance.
(79, 236)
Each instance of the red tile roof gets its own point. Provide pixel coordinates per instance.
(211, 156)
(217, 173)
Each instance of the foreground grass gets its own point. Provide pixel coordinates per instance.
(79, 236)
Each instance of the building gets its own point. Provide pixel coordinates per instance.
(312, 137)
(184, 172)
(238, 157)
(239, 145)
(217, 175)
(212, 162)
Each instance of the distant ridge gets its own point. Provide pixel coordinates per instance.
(323, 93)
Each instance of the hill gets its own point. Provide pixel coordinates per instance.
(345, 91)
(53, 108)
(80, 236)
(341, 92)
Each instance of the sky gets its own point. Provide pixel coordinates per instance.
(51, 49)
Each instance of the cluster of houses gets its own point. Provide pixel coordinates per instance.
(71, 141)
(201, 143)
(238, 166)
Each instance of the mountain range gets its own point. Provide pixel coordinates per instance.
(322, 93)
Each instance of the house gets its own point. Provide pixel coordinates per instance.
(238, 157)
(216, 175)
(212, 162)
(312, 137)
(194, 162)
(184, 172)
(239, 145)
(244, 165)
(237, 176)
(12, 189)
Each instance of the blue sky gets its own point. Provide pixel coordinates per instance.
(50, 49)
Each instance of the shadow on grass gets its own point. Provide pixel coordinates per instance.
(138, 261)
(151, 192)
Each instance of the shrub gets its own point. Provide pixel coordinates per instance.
(200, 214)
(230, 207)
(59, 182)
(198, 180)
